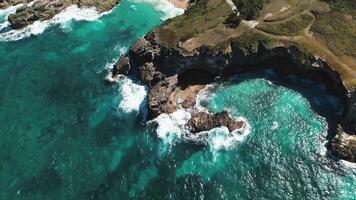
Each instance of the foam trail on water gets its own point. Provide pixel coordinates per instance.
(163, 6)
(64, 19)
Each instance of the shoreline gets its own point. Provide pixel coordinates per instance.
(182, 4)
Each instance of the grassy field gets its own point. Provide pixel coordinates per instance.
(325, 28)
(293, 27)
(338, 28)
(205, 15)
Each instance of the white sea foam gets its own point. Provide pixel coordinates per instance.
(172, 126)
(64, 19)
(348, 164)
(163, 6)
(275, 125)
(133, 95)
(221, 138)
(4, 13)
(109, 65)
(203, 96)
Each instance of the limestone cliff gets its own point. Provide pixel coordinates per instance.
(203, 38)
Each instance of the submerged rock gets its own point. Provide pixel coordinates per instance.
(202, 121)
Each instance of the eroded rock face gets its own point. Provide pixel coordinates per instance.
(202, 121)
(122, 66)
(155, 59)
(46, 9)
(343, 146)
(159, 100)
(189, 102)
(350, 120)
(41, 10)
(7, 3)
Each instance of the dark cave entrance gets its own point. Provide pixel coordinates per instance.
(196, 76)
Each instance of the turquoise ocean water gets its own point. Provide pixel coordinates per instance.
(65, 134)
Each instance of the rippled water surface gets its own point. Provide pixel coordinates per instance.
(65, 134)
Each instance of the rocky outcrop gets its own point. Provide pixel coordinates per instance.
(159, 97)
(202, 121)
(155, 60)
(8, 3)
(46, 9)
(122, 66)
(343, 146)
(41, 10)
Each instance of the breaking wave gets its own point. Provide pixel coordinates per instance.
(133, 95)
(172, 127)
(163, 6)
(64, 20)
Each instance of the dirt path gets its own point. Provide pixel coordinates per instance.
(344, 65)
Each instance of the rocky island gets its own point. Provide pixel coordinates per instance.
(40, 10)
(218, 38)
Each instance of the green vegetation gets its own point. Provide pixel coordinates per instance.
(338, 28)
(346, 6)
(251, 41)
(295, 26)
(249, 9)
(203, 16)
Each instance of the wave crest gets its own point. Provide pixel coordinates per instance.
(64, 19)
(163, 6)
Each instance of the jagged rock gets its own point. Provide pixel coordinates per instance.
(122, 66)
(7, 3)
(202, 121)
(159, 97)
(189, 102)
(46, 9)
(343, 146)
(157, 56)
(40, 10)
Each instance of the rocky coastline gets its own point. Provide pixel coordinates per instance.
(7, 3)
(160, 65)
(42, 10)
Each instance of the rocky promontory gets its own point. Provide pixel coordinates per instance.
(202, 42)
(42, 10)
(202, 121)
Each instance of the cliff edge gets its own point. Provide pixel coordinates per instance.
(220, 38)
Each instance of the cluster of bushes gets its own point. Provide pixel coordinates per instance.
(249, 9)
